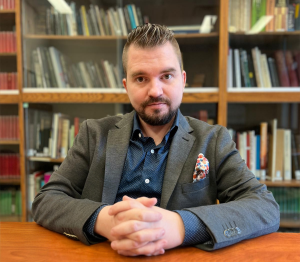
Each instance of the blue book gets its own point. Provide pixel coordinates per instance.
(131, 17)
(258, 152)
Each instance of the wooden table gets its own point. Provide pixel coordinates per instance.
(30, 242)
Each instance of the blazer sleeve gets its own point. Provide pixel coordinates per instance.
(246, 210)
(59, 205)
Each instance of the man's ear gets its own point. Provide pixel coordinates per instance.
(124, 83)
(184, 78)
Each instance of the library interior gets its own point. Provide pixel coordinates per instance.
(61, 64)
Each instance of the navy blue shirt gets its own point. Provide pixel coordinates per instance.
(143, 175)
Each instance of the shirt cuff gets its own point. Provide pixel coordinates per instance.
(195, 229)
(89, 226)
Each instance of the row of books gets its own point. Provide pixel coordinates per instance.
(9, 166)
(10, 203)
(7, 4)
(255, 69)
(8, 81)
(8, 42)
(50, 68)
(9, 127)
(51, 135)
(287, 198)
(267, 15)
(91, 21)
(268, 151)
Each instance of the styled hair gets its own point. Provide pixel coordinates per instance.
(149, 36)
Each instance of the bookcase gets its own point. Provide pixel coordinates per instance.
(205, 59)
(12, 182)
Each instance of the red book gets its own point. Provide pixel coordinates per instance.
(291, 69)
(282, 69)
(76, 126)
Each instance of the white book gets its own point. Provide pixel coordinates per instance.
(287, 164)
(252, 151)
(122, 21)
(39, 56)
(87, 81)
(99, 20)
(229, 69)
(54, 54)
(73, 18)
(237, 72)
(112, 23)
(265, 71)
(135, 15)
(109, 74)
(94, 21)
(65, 138)
(243, 145)
(257, 67)
(117, 21)
(54, 134)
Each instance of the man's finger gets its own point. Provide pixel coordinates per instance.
(151, 249)
(126, 244)
(129, 227)
(148, 202)
(146, 215)
(124, 206)
(147, 235)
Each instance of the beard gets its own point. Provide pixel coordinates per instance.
(156, 118)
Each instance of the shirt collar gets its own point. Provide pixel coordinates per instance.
(137, 130)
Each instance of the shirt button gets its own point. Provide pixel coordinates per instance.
(140, 135)
(147, 181)
(152, 151)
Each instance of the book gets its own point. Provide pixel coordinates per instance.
(287, 166)
(291, 69)
(282, 69)
(237, 72)
(272, 151)
(273, 72)
(258, 10)
(263, 144)
(257, 66)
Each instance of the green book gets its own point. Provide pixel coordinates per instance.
(257, 11)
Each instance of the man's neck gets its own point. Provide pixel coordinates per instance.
(156, 132)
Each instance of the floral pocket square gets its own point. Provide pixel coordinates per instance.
(201, 168)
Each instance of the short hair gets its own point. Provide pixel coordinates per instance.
(149, 36)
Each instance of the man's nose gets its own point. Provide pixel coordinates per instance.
(155, 88)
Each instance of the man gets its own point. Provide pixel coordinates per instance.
(149, 180)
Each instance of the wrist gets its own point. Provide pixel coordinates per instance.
(103, 223)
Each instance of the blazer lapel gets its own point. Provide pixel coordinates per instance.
(117, 146)
(179, 151)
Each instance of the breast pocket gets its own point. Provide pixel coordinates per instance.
(194, 187)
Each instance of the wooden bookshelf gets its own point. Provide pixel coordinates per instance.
(290, 95)
(8, 54)
(46, 159)
(7, 11)
(110, 37)
(9, 142)
(9, 99)
(10, 181)
(10, 218)
(292, 183)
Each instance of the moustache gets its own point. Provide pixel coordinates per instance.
(152, 100)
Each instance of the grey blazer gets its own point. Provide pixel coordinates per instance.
(91, 173)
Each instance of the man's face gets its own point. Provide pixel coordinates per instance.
(154, 83)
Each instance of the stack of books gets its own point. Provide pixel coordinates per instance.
(50, 68)
(245, 14)
(254, 69)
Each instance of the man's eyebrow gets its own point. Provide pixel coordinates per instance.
(167, 70)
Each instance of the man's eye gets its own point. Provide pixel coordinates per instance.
(167, 76)
(140, 79)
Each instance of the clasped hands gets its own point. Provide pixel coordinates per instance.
(137, 227)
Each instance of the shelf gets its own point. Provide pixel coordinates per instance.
(290, 220)
(45, 159)
(9, 96)
(9, 181)
(292, 183)
(110, 37)
(8, 54)
(266, 40)
(9, 142)
(107, 95)
(10, 218)
(263, 95)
